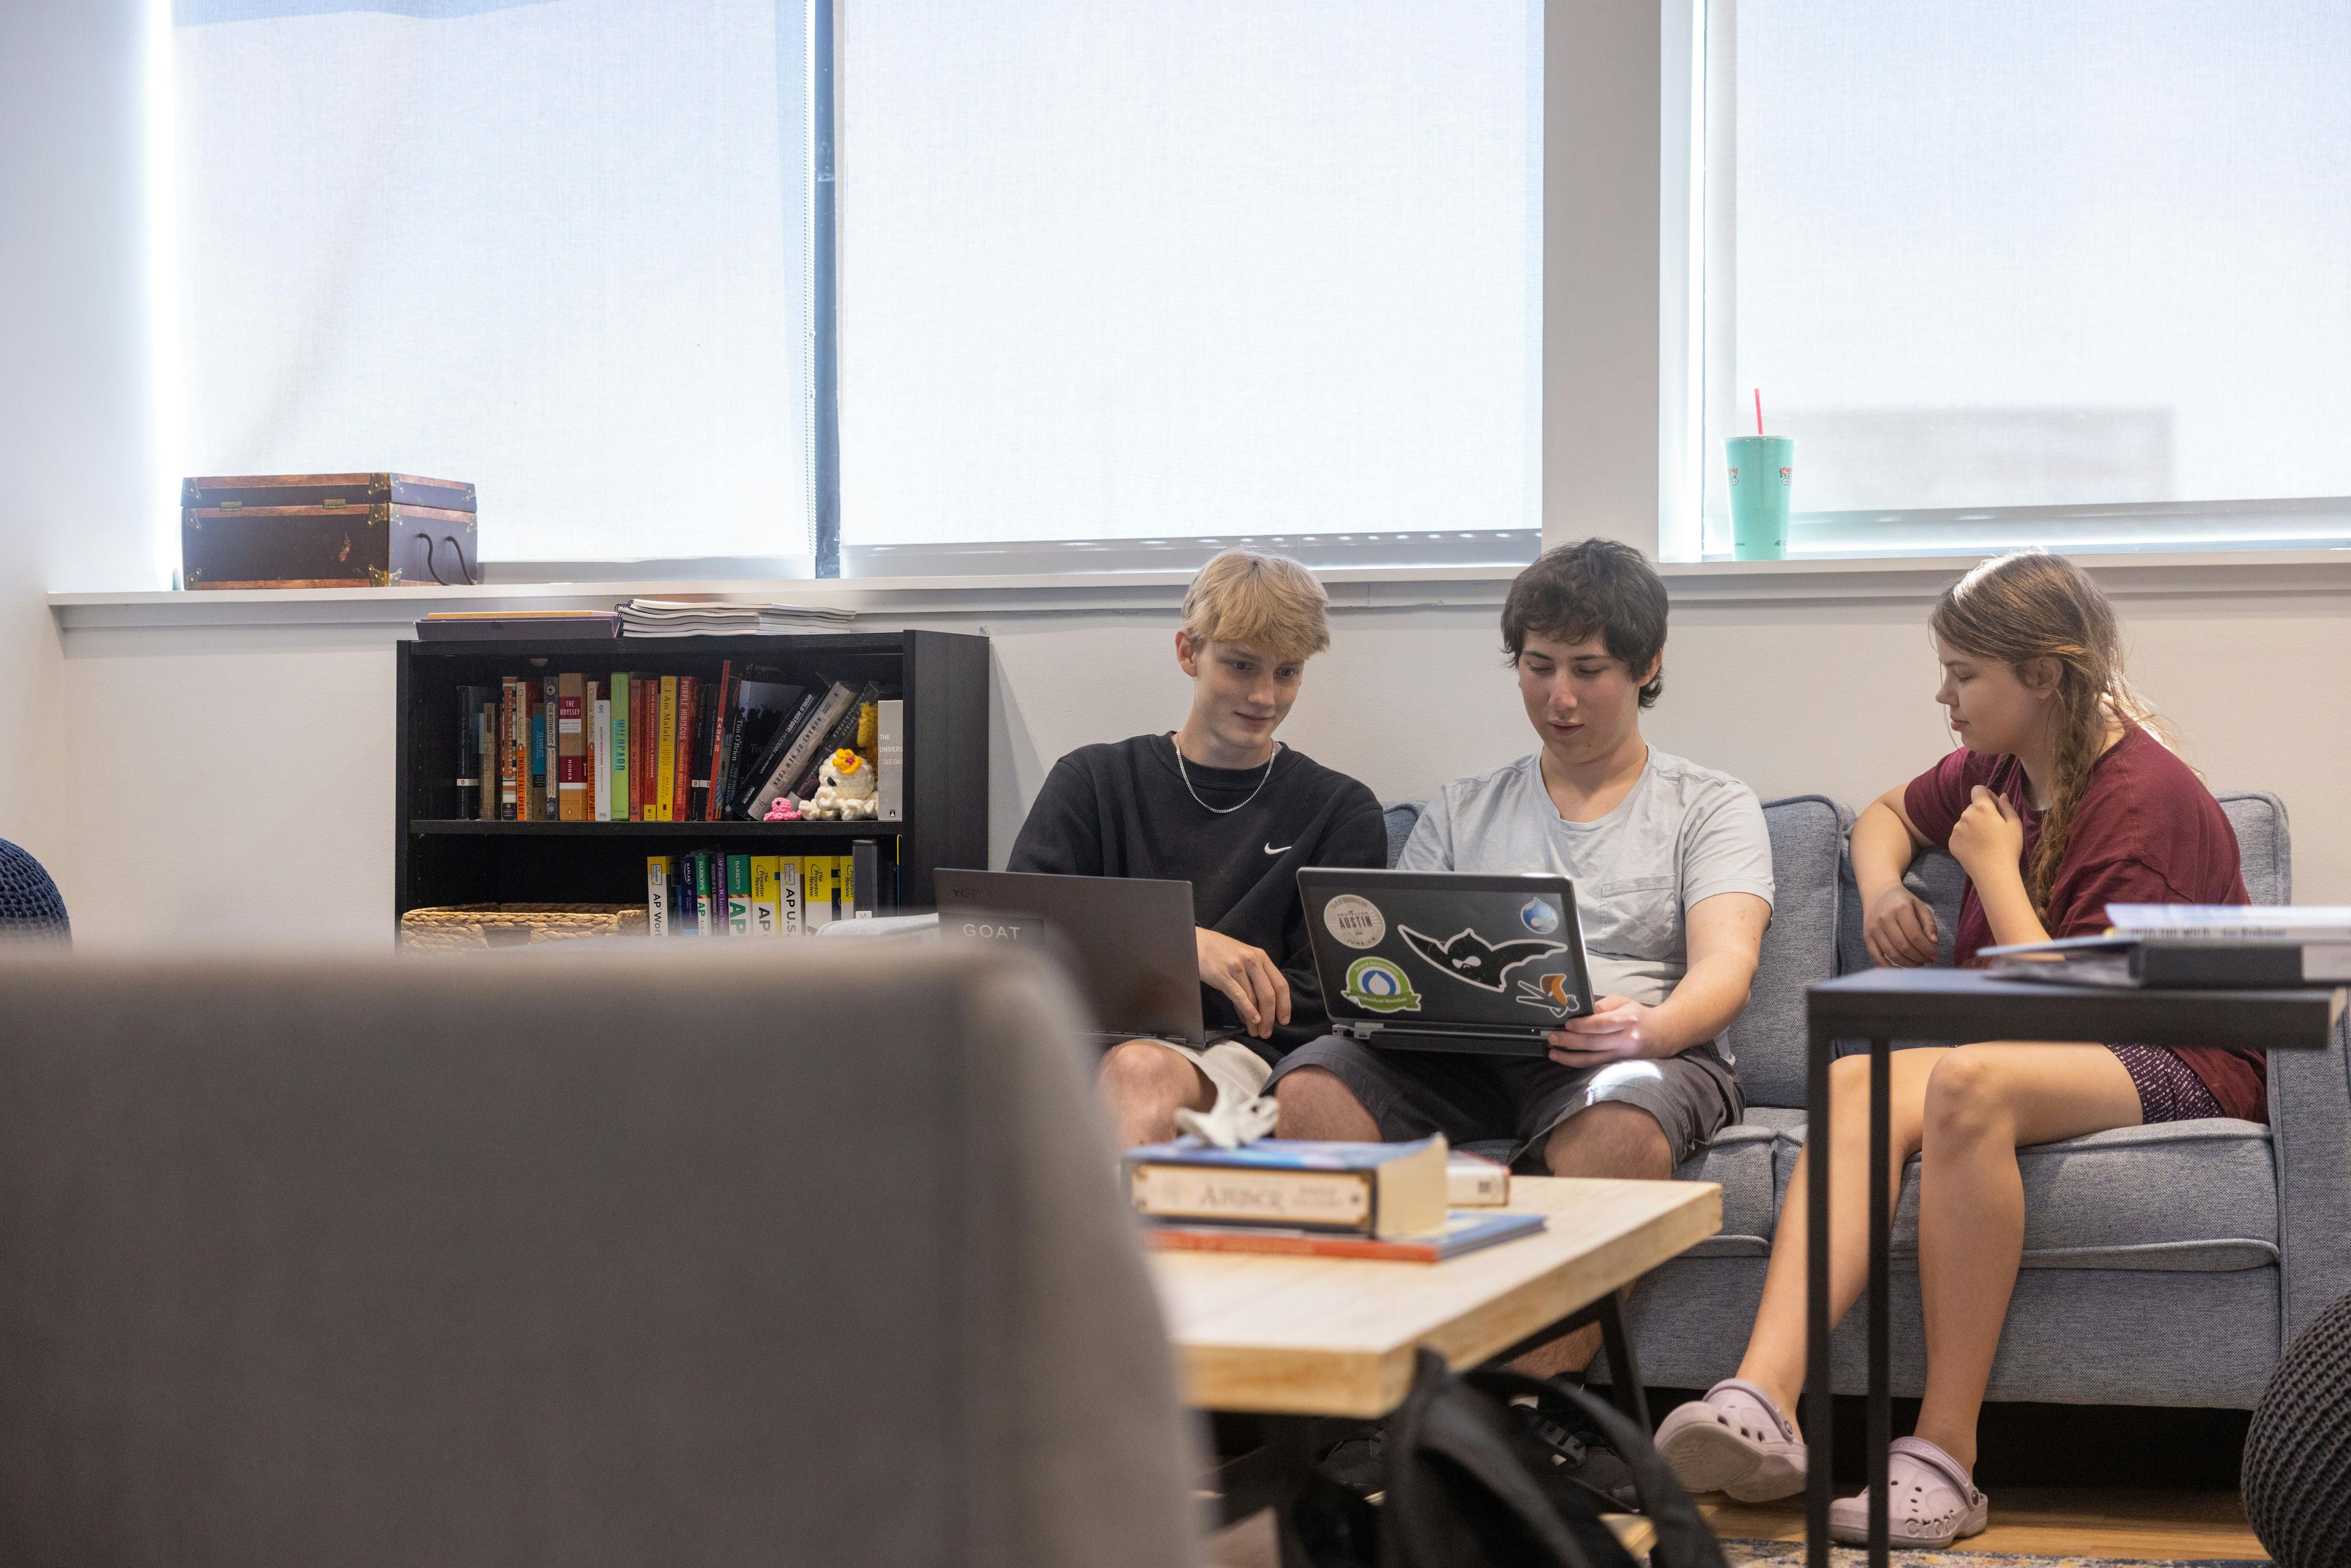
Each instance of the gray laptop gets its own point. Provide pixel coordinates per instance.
(1421, 960)
(1127, 943)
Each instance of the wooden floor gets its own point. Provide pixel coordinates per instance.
(2153, 1526)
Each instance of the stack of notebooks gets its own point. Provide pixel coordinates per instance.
(689, 618)
(1405, 1202)
(2193, 946)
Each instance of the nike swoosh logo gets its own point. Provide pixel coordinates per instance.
(1282, 851)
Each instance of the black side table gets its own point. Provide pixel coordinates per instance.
(1881, 1006)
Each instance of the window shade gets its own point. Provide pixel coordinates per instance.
(557, 248)
(1143, 271)
(2068, 273)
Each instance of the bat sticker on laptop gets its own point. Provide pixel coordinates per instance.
(1470, 957)
(1549, 992)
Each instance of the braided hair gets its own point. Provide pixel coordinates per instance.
(2035, 605)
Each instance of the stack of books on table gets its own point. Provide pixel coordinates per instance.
(718, 618)
(1405, 1202)
(2194, 946)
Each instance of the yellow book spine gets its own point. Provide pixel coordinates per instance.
(787, 896)
(665, 740)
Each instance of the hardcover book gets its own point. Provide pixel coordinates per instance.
(1358, 1189)
(571, 749)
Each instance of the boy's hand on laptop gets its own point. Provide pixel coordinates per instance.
(1615, 1030)
(1243, 973)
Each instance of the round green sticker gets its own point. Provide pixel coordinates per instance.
(1378, 986)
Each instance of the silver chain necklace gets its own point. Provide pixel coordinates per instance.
(1221, 810)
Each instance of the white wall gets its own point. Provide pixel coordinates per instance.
(190, 784)
(74, 479)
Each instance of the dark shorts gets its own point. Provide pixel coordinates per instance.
(2169, 1089)
(1475, 1099)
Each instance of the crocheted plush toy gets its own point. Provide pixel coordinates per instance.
(844, 790)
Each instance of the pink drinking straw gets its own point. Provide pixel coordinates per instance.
(1759, 411)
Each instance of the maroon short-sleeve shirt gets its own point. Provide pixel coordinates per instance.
(2148, 831)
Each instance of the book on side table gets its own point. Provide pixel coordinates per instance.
(2191, 946)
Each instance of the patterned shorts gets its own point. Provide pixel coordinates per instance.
(2169, 1089)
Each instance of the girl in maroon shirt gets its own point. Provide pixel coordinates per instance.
(2058, 802)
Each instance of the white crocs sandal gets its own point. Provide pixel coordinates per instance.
(1734, 1440)
(1931, 1501)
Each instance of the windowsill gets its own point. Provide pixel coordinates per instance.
(1806, 579)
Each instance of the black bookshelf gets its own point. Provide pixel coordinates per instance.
(440, 858)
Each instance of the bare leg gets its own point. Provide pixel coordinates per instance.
(1776, 1348)
(1610, 1139)
(1316, 1104)
(1982, 1102)
(1142, 1084)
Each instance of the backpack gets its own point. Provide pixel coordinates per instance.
(1467, 1486)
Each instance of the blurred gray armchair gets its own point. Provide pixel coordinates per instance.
(655, 1257)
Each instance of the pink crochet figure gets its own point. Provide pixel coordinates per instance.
(785, 810)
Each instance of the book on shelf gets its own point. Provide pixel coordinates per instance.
(665, 751)
(1358, 1189)
(570, 750)
(1465, 1231)
(890, 759)
(689, 718)
(771, 755)
(705, 795)
(660, 871)
(738, 895)
(758, 709)
(550, 730)
(599, 752)
(617, 701)
(474, 761)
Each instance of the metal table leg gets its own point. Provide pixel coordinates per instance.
(1881, 1295)
(1624, 1372)
(1819, 1415)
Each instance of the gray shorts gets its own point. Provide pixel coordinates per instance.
(1471, 1098)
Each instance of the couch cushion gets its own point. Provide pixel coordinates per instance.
(2177, 1196)
(2264, 848)
(1799, 948)
(1741, 1161)
(1401, 818)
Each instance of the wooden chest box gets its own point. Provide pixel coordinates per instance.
(325, 530)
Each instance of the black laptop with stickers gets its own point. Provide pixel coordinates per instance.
(1426, 960)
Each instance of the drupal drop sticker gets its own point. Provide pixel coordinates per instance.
(1538, 916)
(1378, 986)
(1355, 922)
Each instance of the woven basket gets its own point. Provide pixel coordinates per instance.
(478, 927)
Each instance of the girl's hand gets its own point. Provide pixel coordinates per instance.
(1898, 929)
(1989, 837)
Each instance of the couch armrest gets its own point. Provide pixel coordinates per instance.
(2310, 1122)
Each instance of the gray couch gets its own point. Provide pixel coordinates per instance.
(2163, 1265)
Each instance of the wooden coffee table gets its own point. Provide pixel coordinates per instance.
(1299, 1339)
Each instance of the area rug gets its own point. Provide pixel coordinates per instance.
(1771, 1553)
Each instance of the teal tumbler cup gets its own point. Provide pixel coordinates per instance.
(1762, 474)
